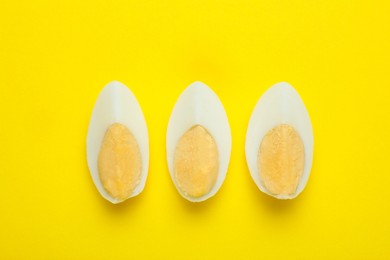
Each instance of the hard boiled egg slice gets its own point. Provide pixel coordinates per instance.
(198, 143)
(279, 143)
(118, 144)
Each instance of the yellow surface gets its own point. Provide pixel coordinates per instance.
(56, 56)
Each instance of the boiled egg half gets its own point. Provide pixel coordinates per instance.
(279, 143)
(198, 143)
(118, 144)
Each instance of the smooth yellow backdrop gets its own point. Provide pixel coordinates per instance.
(56, 56)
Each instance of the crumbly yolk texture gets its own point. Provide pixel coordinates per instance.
(196, 162)
(119, 162)
(281, 160)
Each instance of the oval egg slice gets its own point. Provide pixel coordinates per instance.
(118, 144)
(198, 143)
(279, 143)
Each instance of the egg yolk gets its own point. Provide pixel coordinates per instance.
(281, 160)
(196, 162)
(119, 162)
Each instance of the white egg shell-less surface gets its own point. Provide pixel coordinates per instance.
(116, 104)
(199, 105)
(280, 104)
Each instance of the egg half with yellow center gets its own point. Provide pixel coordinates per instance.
(198, 143)
(279, 143)
(118, 144)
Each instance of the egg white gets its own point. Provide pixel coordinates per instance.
(199, 105)
(280, 104)
(116, 104)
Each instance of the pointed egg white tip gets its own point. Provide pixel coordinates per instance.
(264, 119)
(116, 103)
(198, 104)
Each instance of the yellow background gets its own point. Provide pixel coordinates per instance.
(56, 56)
